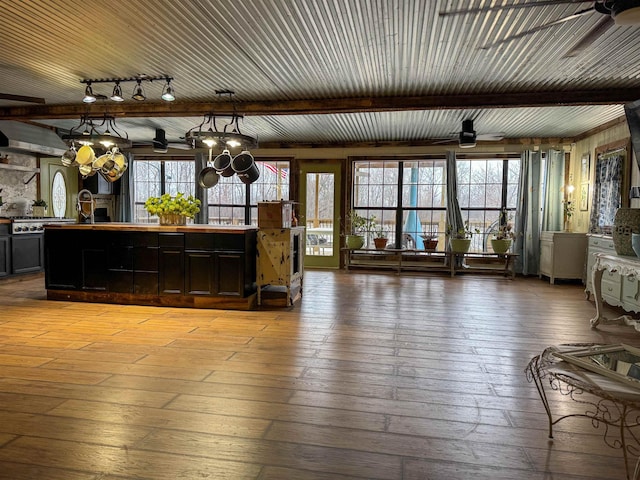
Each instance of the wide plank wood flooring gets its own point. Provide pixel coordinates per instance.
(369, 376)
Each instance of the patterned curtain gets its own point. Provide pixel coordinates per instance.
(454, 214)
(607, 195)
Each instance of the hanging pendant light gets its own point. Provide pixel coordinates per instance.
(138, 92)
(89, 97)
(168, 94)
(116, 96)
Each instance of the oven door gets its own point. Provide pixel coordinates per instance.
(27, 253)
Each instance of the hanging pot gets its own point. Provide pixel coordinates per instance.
(222, 164)
(245, 166)
(69, 157)
(85, 155)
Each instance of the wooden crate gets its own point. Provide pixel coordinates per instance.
(274, 214)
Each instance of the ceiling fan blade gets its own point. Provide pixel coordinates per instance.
(542, 3)
(539, 27)
(21, 98)
(180, 145)
(602, 26)
(490, 137)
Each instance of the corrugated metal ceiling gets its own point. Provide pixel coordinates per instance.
(283, 50)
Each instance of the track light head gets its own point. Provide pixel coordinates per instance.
(116, 96)
(89, 97)
(168, 94)
(138, 92)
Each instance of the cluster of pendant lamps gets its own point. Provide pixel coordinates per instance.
(138, 94)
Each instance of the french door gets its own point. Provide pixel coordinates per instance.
(319, 213)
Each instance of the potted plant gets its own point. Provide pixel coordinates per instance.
(430, 240)
(460, 240)
(39, 208)
(173, 210)
(360, 227)
(568, 213)
(502, 238)
(380, 238)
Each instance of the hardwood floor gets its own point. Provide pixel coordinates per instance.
(370, 375)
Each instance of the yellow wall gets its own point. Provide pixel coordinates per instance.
(588, 145)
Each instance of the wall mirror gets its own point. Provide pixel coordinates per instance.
(610, 185)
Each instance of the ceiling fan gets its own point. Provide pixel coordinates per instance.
(468, 137)
(160, 143)
(617, 12)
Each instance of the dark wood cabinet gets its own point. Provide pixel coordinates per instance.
(175, 268)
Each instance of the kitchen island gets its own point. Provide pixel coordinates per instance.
(197, 266)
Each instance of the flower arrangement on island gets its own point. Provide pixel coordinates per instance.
(187, 206)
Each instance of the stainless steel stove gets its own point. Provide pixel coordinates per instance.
(31, 225)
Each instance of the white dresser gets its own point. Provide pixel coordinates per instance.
(617, 290)
(562, 255)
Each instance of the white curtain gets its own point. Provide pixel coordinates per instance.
(527, 221)
(454, 214)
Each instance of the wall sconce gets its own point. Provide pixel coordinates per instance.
(168, 91)
(635, 192)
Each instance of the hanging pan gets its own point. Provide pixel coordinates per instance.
(208, 177)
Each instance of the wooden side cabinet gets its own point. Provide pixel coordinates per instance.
(562, 255)
(280, 260)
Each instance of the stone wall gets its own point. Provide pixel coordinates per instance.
(12, 182)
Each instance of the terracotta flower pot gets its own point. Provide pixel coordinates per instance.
(380, 243)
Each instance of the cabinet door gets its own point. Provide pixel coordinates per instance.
(94, 269)
(5, 256)
(199, 273)
(62, 260)
(27, 253)
(171, 270)
(229, 273)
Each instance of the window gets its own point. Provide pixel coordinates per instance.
(152, 178)
(228, 199)
(413, 191)
(487, 187)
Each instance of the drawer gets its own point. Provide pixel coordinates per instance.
(611, 288)
(601, 245)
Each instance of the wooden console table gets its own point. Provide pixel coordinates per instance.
(626, 267)
(607, 403)
(401, 260)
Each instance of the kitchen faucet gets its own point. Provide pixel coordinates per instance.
(86, 202)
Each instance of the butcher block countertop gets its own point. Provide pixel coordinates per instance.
(154, 227)
(5, 220)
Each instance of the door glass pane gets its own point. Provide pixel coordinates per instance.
(320, 213)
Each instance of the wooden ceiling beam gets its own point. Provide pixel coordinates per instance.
(326, 106)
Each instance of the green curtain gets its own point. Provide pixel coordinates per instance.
(552, 209)
(454, 215)
(527, 221)
(201, 193)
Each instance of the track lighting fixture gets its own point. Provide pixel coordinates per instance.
(116, 96)
(138, 93)
(168, 92)
(89, 97)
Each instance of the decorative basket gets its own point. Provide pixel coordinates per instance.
(172, 219)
